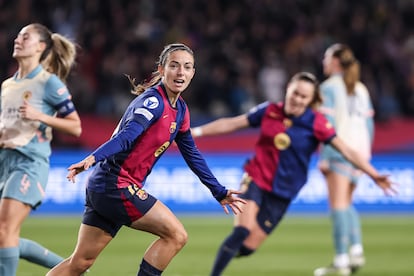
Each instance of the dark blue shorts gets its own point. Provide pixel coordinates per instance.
(113, 209)
(271, 207)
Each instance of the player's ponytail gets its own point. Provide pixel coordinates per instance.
(350, 65)
(59, 54)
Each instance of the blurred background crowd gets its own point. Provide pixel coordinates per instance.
(245, 50)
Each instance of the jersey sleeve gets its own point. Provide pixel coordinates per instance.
(58, 96)
(323, 129)
(198, 165)
(146, 109)
(255, 114)
(121, 141)
(140, 114)
(185, 126)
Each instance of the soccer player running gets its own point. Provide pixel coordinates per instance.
(290, 132)
(347, 106)
(157, 117)
(33, 101)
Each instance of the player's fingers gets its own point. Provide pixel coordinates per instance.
(225, 209)
(241, 200)
(71, 176)
(231, 192)
(236, 208)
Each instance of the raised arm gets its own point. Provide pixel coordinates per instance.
(357, 160)
(221, 126)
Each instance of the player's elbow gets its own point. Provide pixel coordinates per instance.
(77, 131)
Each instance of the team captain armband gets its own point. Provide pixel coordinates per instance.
(64, 108)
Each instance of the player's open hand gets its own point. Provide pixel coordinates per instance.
(384, 182)
(233, 202)
(79, 167)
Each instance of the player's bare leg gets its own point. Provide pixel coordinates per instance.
(91, 242)
(160, 221)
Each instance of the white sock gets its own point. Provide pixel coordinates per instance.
(341, 260)
(356, 249)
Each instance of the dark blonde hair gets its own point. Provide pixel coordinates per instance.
(309, 77)
(350, 65)
(162, 59)
(59, 54)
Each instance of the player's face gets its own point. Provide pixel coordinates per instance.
(178, 71)
(299, 95)
(27, 43)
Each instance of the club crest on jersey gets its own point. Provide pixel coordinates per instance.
(151, 102)
(281, 141)
(27, 95)
(173, 127)
(161, 149)
(142, 194)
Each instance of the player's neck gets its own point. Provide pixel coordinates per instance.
(26, 66)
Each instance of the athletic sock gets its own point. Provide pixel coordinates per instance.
(35, 253)
(229, 249)
(147, 269)
(355, 228)
(340, 231)
(9, 260)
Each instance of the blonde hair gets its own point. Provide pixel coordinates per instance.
(59, 54)
(349, 64)
(155, 76)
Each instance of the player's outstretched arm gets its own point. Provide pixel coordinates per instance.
(221, 126)
(383, 181)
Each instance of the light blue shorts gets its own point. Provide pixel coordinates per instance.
(23, 178)
(334, 161)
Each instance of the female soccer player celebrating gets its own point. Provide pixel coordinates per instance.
(290, 132)
(157, 117)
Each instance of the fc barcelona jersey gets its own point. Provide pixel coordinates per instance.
(146, 130)
(284, 148)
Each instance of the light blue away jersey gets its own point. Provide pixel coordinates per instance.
(45, 92)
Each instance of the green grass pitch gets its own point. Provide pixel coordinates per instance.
(295, 248)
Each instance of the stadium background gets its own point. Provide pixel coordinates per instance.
(245, 51)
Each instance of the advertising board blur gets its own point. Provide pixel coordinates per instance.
(173, 183)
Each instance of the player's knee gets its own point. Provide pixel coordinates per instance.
(180, 238)
(81, 265)
(6, 233)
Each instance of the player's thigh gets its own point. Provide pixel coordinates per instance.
(340, 190)
(160, 221)
(91, 241)
(247, 218)
(24, 179)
